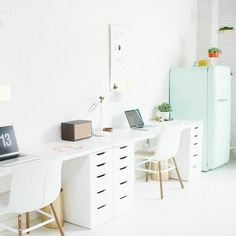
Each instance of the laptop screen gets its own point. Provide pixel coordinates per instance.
(134, 118)
(8, 144)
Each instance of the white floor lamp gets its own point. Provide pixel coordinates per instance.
(115, 96)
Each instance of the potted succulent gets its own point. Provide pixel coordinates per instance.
(214, 52)
(165, 109)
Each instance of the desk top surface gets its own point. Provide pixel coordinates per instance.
(66, 150)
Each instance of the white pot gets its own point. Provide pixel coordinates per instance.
(165, 115)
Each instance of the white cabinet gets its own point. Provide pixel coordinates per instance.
(123, 178)
(99, 186)
(189, 156)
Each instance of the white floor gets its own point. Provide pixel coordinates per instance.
(206, 207)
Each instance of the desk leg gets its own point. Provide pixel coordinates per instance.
(19, 225)
(177, 171)
(28, 221)
(57, 219)
(160, 179)
(149, 168)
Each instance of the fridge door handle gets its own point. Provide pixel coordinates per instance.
(222, 99)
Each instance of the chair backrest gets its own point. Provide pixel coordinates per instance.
(168, 142)
(34, 186)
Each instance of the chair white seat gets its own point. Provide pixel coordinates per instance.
(32, 187)
(166, 149)
(146, 152)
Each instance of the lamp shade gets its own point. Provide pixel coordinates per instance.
(115, 96)
(5, 93)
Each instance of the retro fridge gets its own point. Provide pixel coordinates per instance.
(204, 94)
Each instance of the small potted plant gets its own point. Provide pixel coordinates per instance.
(214, 52)
(165, 109)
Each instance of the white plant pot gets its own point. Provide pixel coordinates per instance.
(165, 115)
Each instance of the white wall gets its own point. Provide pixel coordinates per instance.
(57, 59)
(227, 16)
(207, 35)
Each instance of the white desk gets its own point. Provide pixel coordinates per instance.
(98, 173)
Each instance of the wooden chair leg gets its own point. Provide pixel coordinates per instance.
(20, 225)
(28, 221)
(177, 171)
(160, 179)
(149, 168)
(56, 219)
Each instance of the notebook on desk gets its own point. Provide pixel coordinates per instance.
(9, 152)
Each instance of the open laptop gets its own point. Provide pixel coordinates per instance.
(135, 120)
(9, 153)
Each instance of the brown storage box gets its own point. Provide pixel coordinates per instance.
(76, 130)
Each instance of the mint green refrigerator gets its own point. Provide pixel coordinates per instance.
(204, 94)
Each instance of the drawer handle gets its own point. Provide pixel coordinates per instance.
(100, 176)
(196, 127)
(123, 182)
(121, 158)
(99, 165)
(124, 197)
(122, 168)
(195, 136)
(101, 153)
(195, 155)
(102, 191)
(101, 206)
(195, 143)
(194, 166)
(123, 147)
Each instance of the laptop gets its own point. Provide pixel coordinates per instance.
(9, 152)
(135, 120)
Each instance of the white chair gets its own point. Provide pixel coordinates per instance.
(33, 186)
(166, 149)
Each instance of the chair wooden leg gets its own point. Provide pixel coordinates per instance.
(160, 179)
(20, 225)
(147, 173)
(177, 171)
(57, 220)
(28, 221)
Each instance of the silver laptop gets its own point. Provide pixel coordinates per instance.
(135, 120)
(9, 152)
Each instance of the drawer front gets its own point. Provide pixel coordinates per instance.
(196, 129)
(100, 157)
(101, 169)
(101, 182)
(123, 165)
(124, 173)
(124, 188)
(123, 150)
(101, 197)
(123, 161)
(195, 171)
(195, 162)
(101, 214)
(196, 148)
(123, 203)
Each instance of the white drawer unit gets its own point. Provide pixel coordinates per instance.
(189, 155)
(123, 182)
(99, 186)
(87, 185)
